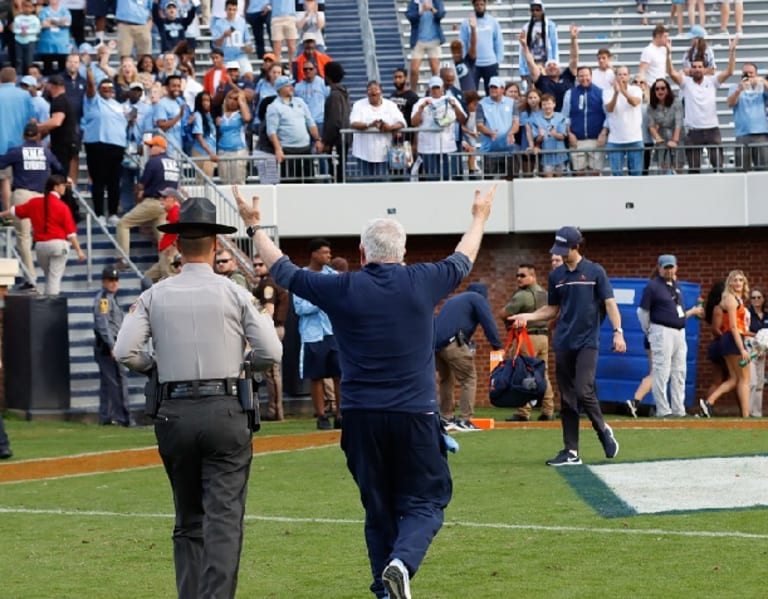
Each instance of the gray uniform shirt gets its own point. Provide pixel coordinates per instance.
(107, 317)
(199, 323)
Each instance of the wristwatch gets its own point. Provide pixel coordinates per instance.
(251, 230)
(619, 330)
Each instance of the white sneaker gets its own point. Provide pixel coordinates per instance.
(113, 220)
(102, 220)
(396, 580)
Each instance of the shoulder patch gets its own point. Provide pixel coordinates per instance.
(104, 305)
(269, 292)
(133, 307)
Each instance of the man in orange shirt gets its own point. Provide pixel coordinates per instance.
(312, 54)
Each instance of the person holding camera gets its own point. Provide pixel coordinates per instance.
(748, 99)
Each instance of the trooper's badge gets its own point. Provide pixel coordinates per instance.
(104, 305)
(269, 293)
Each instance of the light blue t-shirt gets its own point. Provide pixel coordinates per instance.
(136, 12)
(165, 110)
(55, 39)
(314, 95)
(104, 121)
(26, 29)
(16, 108)
(290, 121)
(497, 116)
(283, 8)
(231, 133)
(749, 112)
(197, 129)
(232, 45)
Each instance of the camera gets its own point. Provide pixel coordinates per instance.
(745, 77)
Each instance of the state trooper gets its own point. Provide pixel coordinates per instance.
(199, 324)
(113, 377)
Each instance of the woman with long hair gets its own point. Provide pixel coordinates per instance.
(53, 231)
(541, 36)
(204, 133)
(732, 347)
(146, 64)
(529, 106)
(235, 115)
(665, 124)
(699, 50)
(127, 73)
(758, 320)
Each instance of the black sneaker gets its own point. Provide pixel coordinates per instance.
(565, 458)
(705, 409)
(324, 423)
(337, 423)
(517, 418)
(6, 453)
(610, 444)
(545, 417)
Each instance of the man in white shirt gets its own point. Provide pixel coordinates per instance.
(603, 76)
(653, 59)
(378, 118)
(699, 93)
(623, 105)
(436, 116)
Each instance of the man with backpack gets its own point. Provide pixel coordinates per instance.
(529, 297)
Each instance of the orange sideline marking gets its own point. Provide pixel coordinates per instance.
(109, 461)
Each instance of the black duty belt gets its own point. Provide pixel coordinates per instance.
(198, 389)
(538, 332)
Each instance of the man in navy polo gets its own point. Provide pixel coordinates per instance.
(577, 291)
(662, 315)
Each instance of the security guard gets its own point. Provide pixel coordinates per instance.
(275, 300)
(199, 324)
(113, 380)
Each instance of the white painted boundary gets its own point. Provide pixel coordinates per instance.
(730, 534)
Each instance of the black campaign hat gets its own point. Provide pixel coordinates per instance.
(197, 218)
(110, 272)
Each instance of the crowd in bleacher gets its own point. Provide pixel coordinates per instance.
(259, 108)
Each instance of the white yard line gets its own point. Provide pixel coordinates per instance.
(448, 524)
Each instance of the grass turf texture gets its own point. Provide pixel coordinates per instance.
(514, 528)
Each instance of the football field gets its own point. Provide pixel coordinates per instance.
(681, 512)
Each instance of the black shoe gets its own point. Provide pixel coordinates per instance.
(337, 423)
(545, 417)
(324, 423)
(6, 453)
(25, 286)
(517, 418)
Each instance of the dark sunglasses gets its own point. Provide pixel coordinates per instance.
(756, 297)
(258, 264)
(308, 69)
(222, 261)
(521, 275)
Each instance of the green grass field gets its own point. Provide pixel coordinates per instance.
(515, 527)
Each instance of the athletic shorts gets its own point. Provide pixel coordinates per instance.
(284, 28)
(431, 49)
(321, 359)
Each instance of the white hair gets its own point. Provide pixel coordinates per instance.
(383, 240)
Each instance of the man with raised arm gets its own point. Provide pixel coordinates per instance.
(382, 317)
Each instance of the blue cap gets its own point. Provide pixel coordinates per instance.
(435, 82)
(667, 260)
(86, 48)
(697, 31)
(282, 81)
(496, 82)
(565, 239)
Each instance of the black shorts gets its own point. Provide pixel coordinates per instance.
(99, 8)
(728, 345)
(321, 359)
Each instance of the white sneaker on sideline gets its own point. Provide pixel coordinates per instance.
(113, 220)
(102, 220)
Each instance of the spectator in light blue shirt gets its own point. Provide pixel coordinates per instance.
(54, 37)
(426, 35)
(134, 27)
(490, 44)
(26, 31)
(232, 37)
(497, 123)
(169, 113)
(313, 91)
(231, 126)
(284, 28)
(749, 99)
(105, 138)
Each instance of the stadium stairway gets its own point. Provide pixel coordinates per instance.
(390, 52)
(345, 44)
(80, 294)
